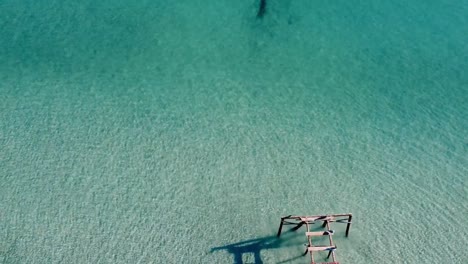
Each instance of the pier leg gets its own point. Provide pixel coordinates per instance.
(349, 225)
(280, 228)
(324, 224)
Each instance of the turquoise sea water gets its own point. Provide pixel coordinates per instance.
(170, 131)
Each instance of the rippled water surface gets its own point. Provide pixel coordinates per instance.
(180, 132)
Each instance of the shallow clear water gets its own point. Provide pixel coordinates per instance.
(157, 132)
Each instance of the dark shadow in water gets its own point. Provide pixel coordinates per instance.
(261, 8)
(256, 245)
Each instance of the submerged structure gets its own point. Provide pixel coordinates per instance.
(325, 220)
